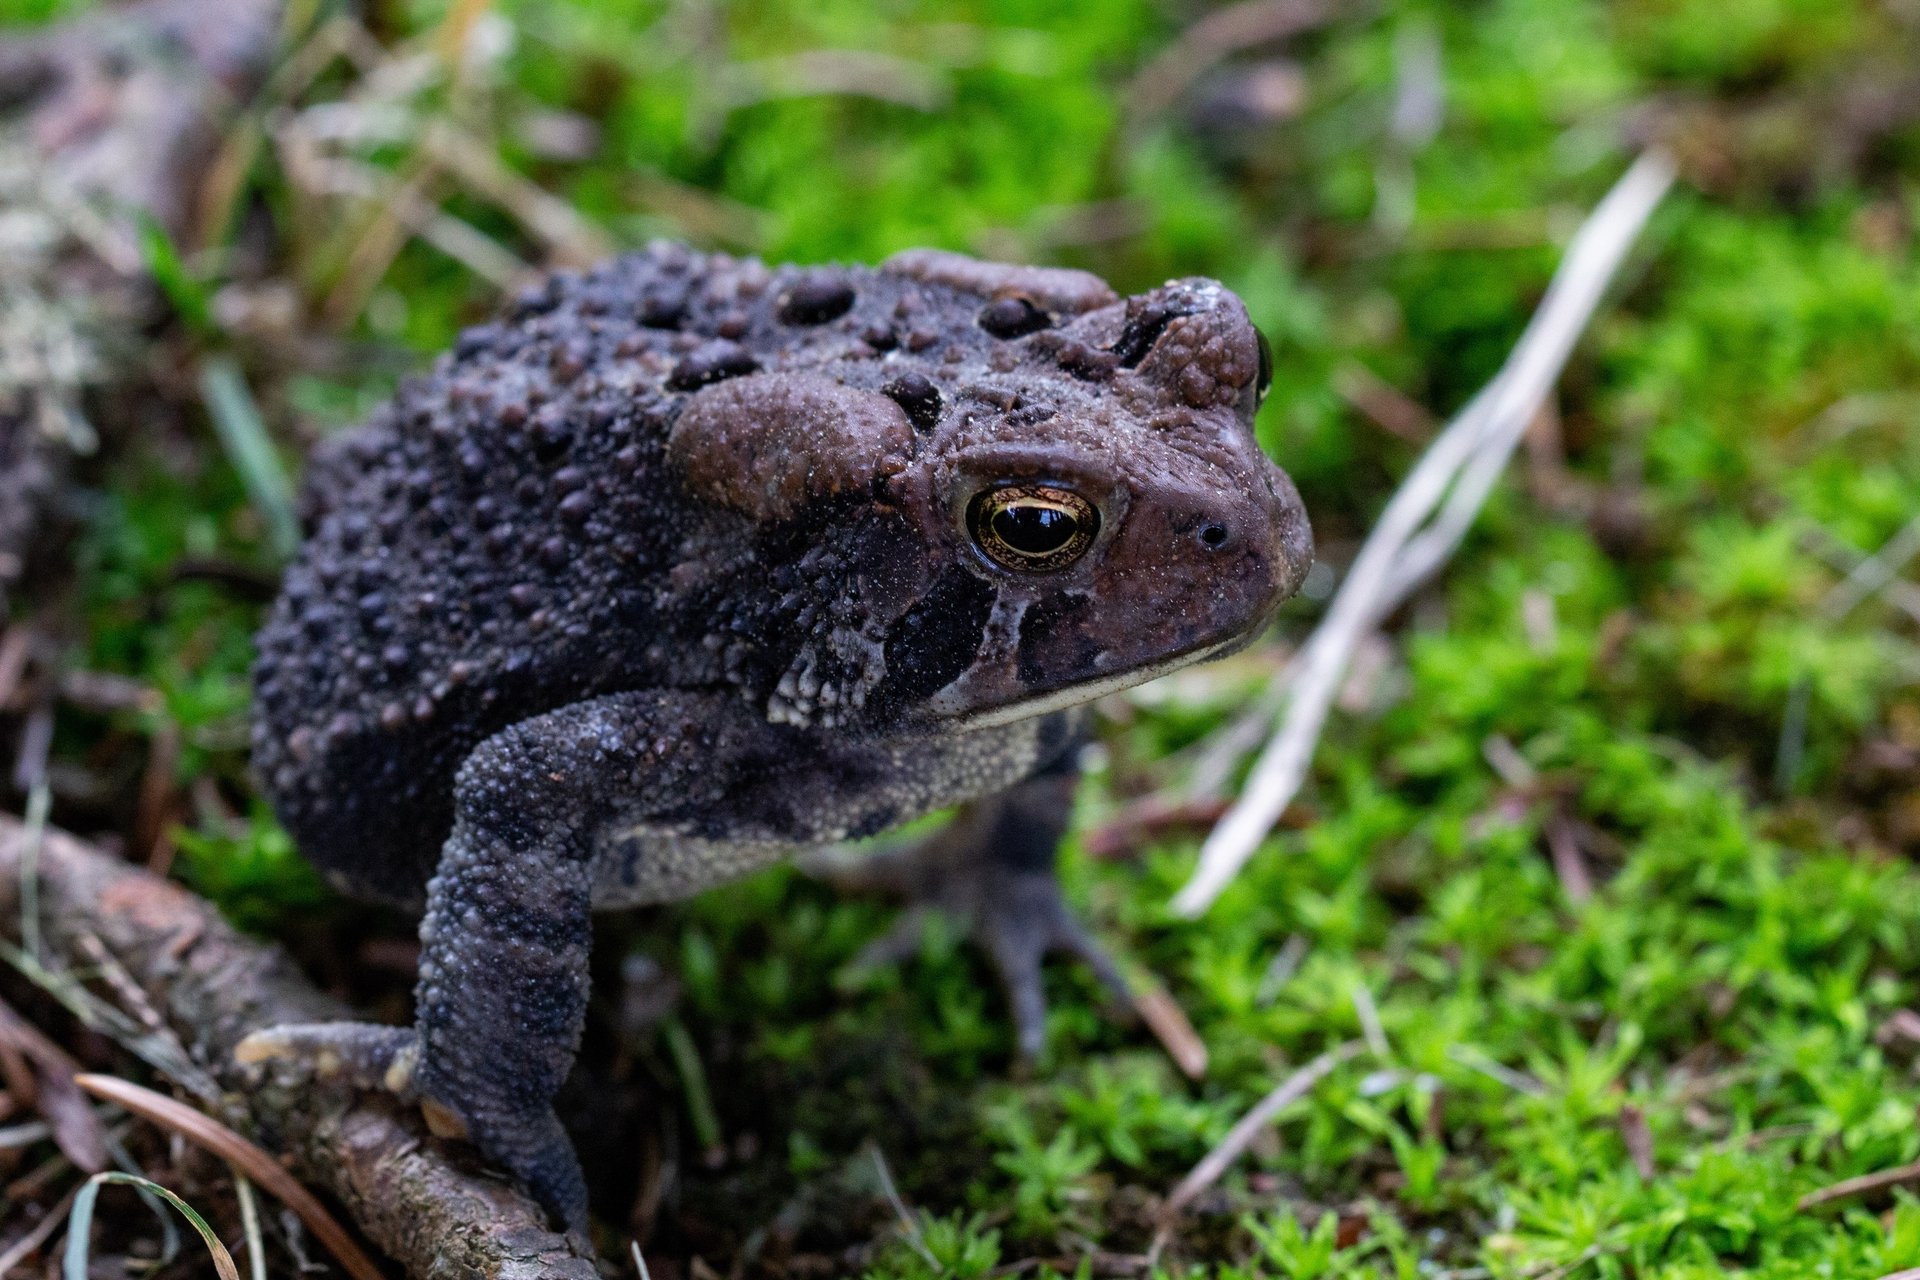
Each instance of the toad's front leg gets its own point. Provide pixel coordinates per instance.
(502, 993)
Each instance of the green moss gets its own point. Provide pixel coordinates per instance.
(1747, 397)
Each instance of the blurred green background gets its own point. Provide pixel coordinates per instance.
(1644, 649)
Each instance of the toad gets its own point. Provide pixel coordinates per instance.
(687, 564)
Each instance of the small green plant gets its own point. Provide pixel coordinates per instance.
(1048, 1179)
(251, 869)
(950, 1247)
(1300, 1253)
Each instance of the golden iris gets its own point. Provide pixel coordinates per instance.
(1032, 528)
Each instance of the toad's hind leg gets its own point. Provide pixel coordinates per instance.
(990, 870)
(502, 993)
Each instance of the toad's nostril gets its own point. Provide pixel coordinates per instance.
(1213, 536)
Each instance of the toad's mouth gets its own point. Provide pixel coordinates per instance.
(946, 702)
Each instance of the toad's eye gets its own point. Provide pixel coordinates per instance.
(1032, 528)
(1263, 382)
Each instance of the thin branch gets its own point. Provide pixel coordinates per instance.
(1843, 557)
(1220, 34)
(1241, 1136)
(1171, 1027)
(1873, 574)
(1411, 541)
(1865, 1184)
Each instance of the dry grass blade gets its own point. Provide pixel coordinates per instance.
(1427, 517)
(236, 419)
(693, 1085)
(823, 72)
(250, 1224)
(1241, 1136)
(212, 1136)
(163, 1053)
(76, 1130)
(909, 1228)
(43, 1230)
(570, 237)
(75, 1265)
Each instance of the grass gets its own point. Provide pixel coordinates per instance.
(1644, 1083)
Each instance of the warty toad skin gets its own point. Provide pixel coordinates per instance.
(687, 564)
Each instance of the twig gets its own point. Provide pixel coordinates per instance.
(1514, 769)
(1569, 864)
(573, 239)
(1171, 1027)
(1865, 1184)
(1845, 558)
(36, 744)
(1221, 33)
(1148, 819)
(1639, 1141)
(212, 985)
(128, 990)
(1241, 1136)
(1573, 1264)
(1873, 574)
(38, 803)
(15, 1136)
(164, 1053)
(1411, 541)
(16, 645)
(1385, 405)
(1280, 970)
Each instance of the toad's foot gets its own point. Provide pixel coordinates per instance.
(531, 1145)
(990, 871)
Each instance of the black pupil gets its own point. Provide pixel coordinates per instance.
(1032, 529)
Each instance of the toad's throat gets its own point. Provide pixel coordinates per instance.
(953, 701)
